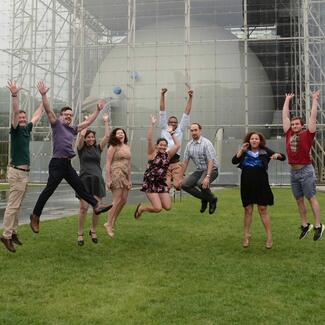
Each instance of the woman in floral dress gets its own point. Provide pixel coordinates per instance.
(154, 180)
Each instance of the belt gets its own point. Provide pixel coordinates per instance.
(68, 158)
(22, 169)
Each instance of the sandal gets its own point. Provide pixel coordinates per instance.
(269, 244)
(81, 241)
(109, 230)
(93, 236)
(246, 242)
(137, 214)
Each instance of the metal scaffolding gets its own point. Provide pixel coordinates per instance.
(310, 71)
(54, 40)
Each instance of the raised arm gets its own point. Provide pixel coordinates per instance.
(100, 105)
(162, 114)
(151, 146)
(188, 106)
(285, 112)
(313, 113)
(105, 138)
(14, 89)
(172, 151)
(37, 114)
(162, 99)
(81, 138)
(109, 158)
(43, 91)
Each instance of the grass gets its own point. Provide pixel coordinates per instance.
(179, 267)
(5, 186)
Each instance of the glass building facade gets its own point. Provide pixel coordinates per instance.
(239, 56)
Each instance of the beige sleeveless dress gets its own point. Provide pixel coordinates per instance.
(120, 167)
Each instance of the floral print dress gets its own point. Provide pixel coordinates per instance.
(154, 179)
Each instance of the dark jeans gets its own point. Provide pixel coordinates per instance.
(59, 169)
(193, 184)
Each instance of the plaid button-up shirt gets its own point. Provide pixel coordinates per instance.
(201, 151)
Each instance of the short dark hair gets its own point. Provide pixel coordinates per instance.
(161, 139)
(260, 135)
(298, 118)
(65, 108)
(113, 140)
(198, 124)
(22, 111)
(172, 117)
(87, 133)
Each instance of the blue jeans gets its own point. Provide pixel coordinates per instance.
(59, 169)
(193, 184)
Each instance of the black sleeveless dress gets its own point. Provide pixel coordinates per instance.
(90, 170)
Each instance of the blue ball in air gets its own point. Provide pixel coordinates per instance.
(117, 90)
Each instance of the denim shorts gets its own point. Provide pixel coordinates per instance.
(303, 182)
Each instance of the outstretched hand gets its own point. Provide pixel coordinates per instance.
(105, 118)
(12, 86)
(42, 88)
(101, 104)
(153, 120)
(289, 96)
(244, 146)
(275, 156)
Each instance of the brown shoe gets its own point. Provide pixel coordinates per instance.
(16, 240)
(34, 223)
(8, 244)
(100, 208)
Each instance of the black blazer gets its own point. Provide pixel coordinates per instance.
(265, 156)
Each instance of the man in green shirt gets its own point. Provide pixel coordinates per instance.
(18, 170)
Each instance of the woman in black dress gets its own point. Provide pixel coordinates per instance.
(89, 153)
(253, 158)
(154, 180)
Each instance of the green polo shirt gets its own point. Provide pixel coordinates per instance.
(20, 138)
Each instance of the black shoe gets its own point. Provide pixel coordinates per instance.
(213, 205)
(319, 232)
(81, 242)
(16, 240)
(305, 230)
(8, 244)
(204, 205)
(102, 208)
(34, 223)
(94, 239)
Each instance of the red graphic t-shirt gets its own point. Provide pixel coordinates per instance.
(298, 147)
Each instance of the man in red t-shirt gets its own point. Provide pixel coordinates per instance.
(302, 174)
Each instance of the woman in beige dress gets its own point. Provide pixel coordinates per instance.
(118, 175)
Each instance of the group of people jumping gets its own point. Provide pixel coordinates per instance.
(164, 167)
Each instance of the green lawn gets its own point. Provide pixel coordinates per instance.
(5, 186)
(179, 267)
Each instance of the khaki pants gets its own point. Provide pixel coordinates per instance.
(17, 188)
(175, 174)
